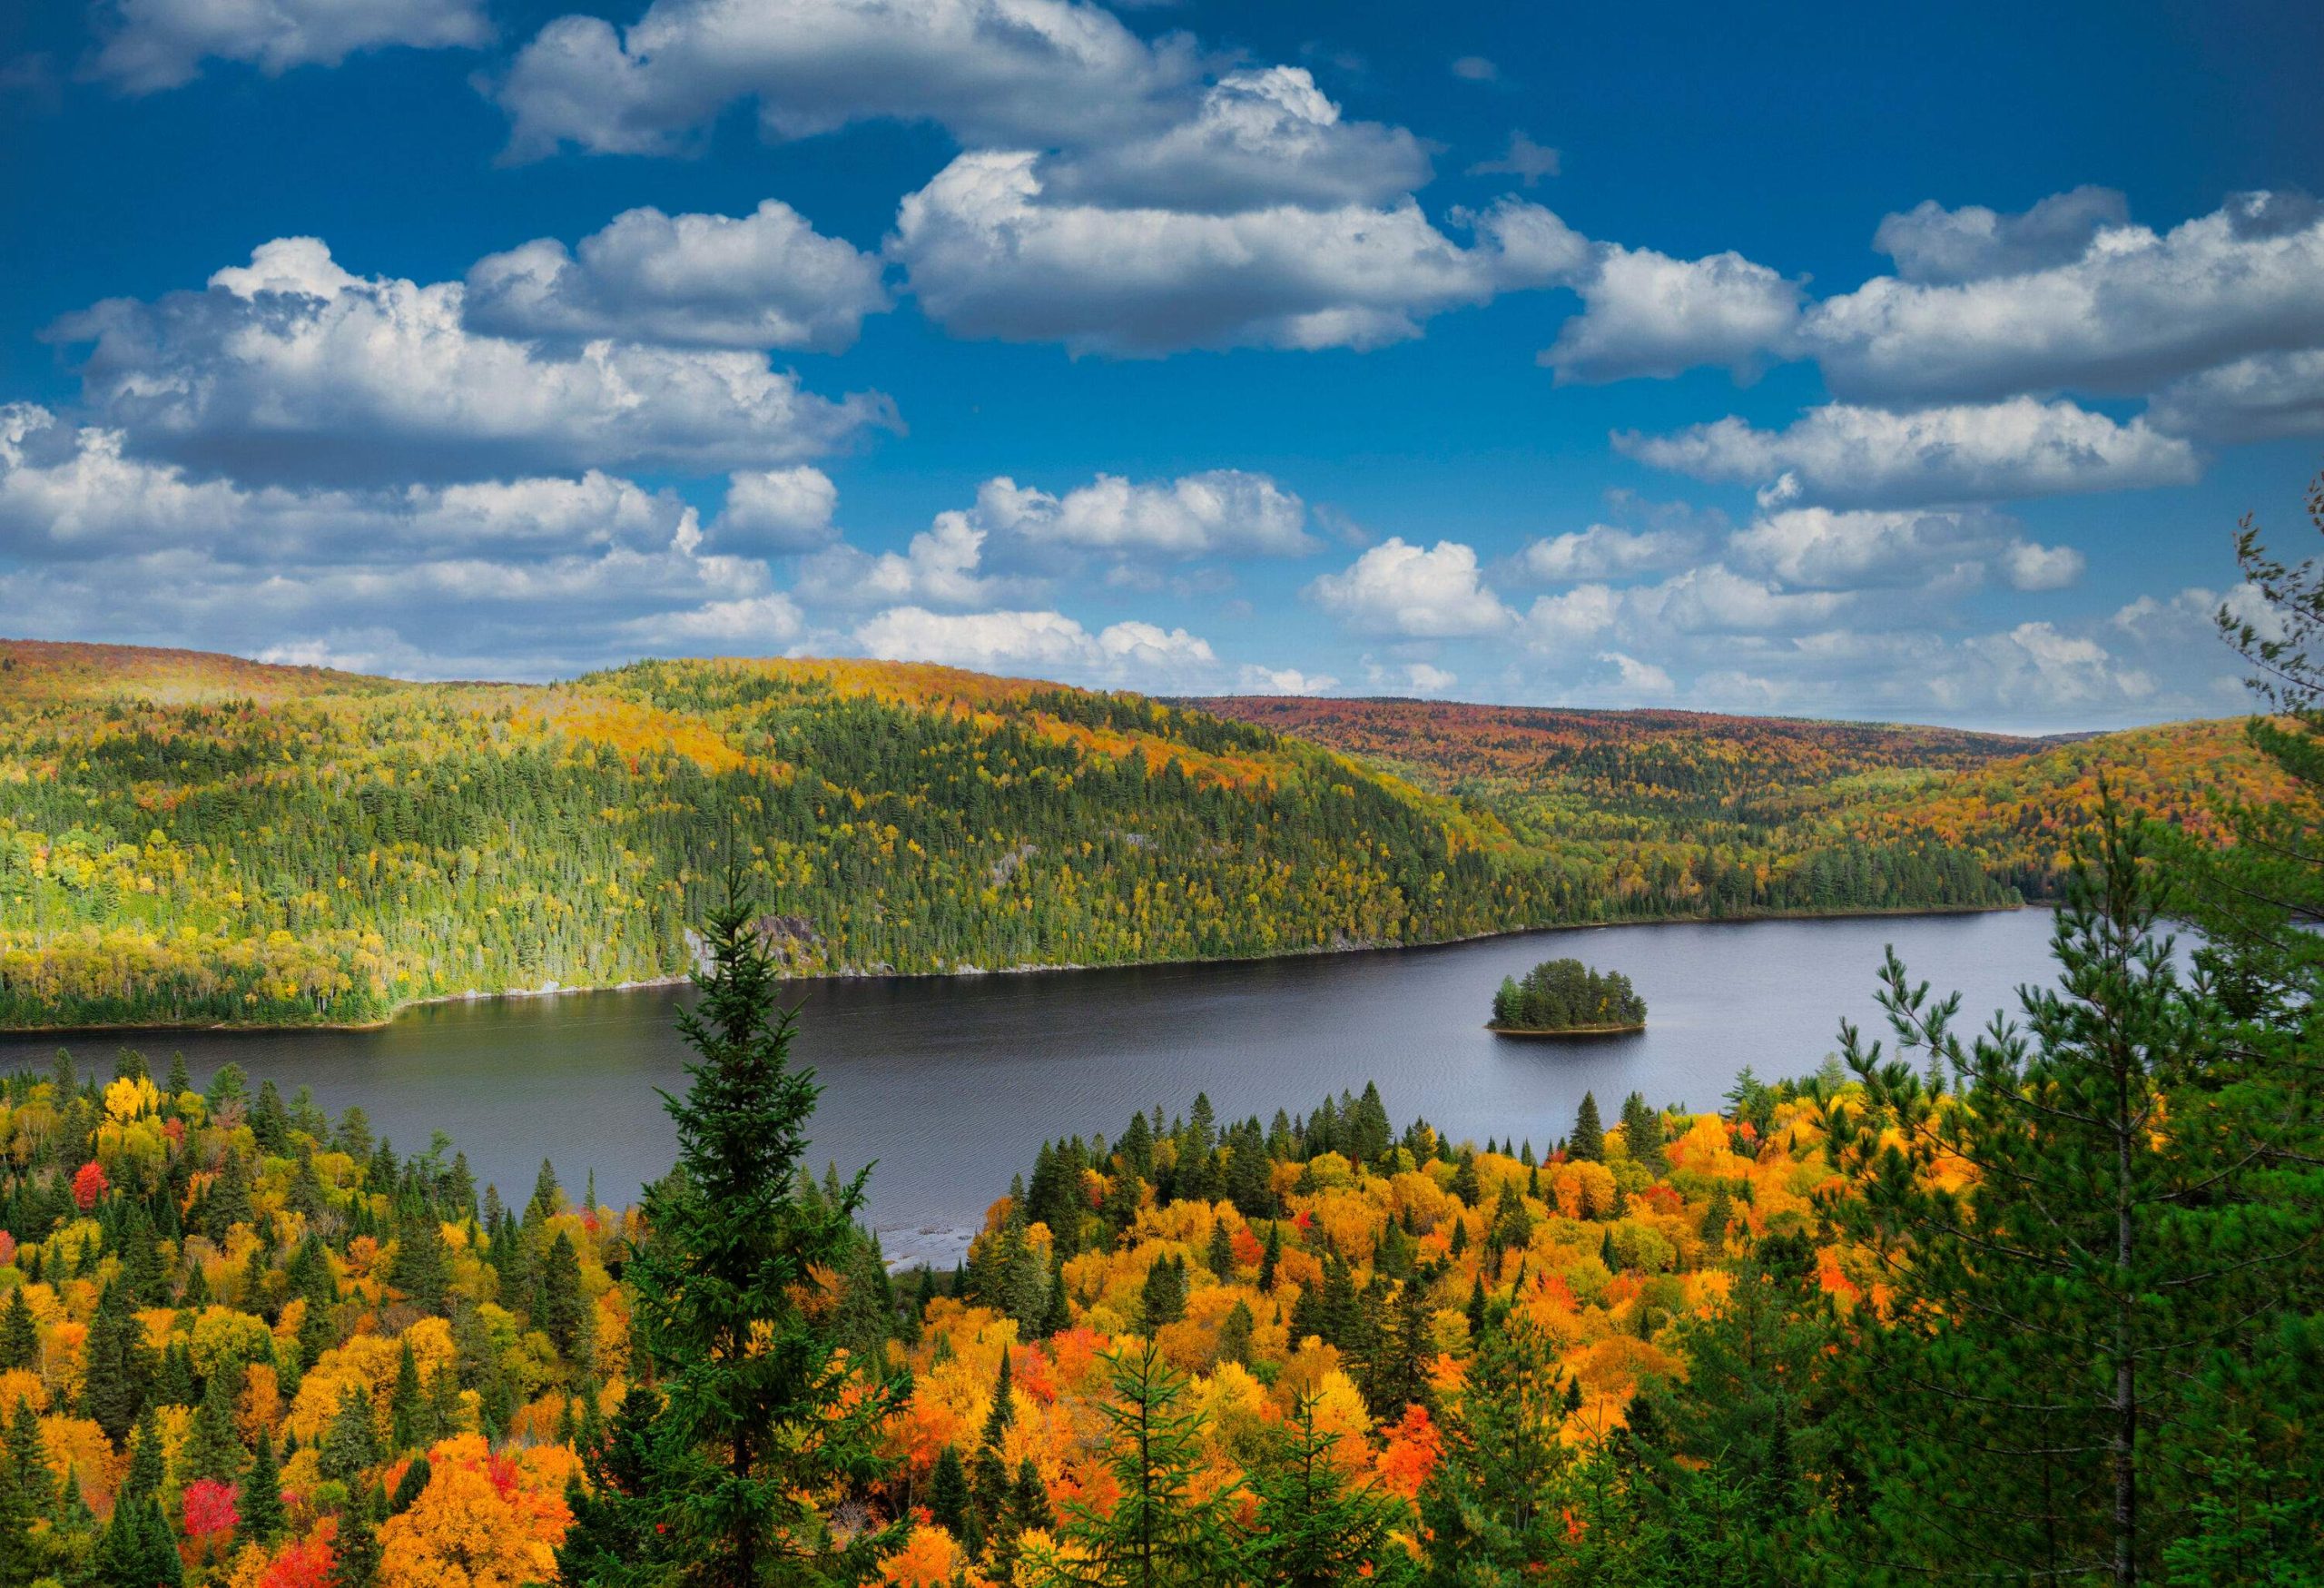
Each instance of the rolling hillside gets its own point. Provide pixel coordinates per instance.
(187, 838)
(1622, 792)
(196, 839)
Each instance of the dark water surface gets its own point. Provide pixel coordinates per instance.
(952, 1083)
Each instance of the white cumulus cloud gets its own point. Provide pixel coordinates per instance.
(1219, 512)
(1604, 552)
(151, 44)
(989, 70)
(772, 511)
(293, 368)
(1399, 588)
(766, 280)
(1843, 455)
(1646, 313)
(990, 254)
(2133, 309)
(1047, 643)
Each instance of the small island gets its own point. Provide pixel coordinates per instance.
(1565, 998)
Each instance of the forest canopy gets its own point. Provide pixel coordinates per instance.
(1566, 995)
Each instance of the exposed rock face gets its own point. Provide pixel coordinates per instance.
(787, 937)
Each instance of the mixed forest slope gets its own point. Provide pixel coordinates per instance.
(187, 838)
(1659, 808)
(192, 839)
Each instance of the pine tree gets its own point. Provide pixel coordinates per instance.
(351, 1444)
(616, 1537)
(113, 1378)
(758, 1418)
(212, 1448)
(1162, 1531)
(1489, 1506)
(565, 1309)
(1315, 1528)
(2140, 1181)
(1588, 1142)
(19, 1337)
(262, 1499)
(409, 1414)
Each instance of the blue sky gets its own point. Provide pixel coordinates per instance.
(1651, 355)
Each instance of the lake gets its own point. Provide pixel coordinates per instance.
(952, 1083)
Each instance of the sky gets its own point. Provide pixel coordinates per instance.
(1915, 366)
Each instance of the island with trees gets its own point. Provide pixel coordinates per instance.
(1565, 998)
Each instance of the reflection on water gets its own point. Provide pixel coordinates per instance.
(952, 1083)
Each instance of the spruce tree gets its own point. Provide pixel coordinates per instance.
(351, 1444)
(212, 1448)
(1588, 1142)
(1489, 1507)
(1004, 1410)
(564, 1310)
(1642, 1135)
(759, 1417)
(27, 1496)
(1163, 1530)
(262, 1499)
(358, 1544)
(410, 1486)
(1316, 1527)
(229, 1200)
(1162, 1300)
(116, 1365)
(19, 1336)
(2141, 1179)
(617, 1537)
(410, 1413)
(948, 1495)
(421, 1270)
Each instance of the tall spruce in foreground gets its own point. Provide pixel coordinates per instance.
(1490, 1508)
(758, 1422)
(2087, 1242)
(1164, 1530)
(1317, 1527)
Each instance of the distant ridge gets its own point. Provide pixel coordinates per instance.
(187, 838)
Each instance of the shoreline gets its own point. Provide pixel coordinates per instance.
(651, 983)
(1546, 1034)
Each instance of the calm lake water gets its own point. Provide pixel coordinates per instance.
(953, 1083)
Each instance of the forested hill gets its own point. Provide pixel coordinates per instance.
(194, 839)
(1795, 808)
(187, 838)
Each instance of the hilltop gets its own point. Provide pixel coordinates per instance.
(1629, 793)
(193, 839)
